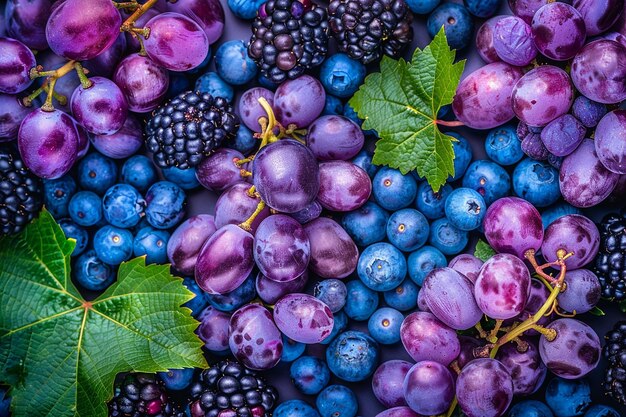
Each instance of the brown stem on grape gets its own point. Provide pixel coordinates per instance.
(522, 345)
(493, 336)
(549, 334)
(47, 105)
(481, 332)
(129, 23)
(452, 407)
(28, 100)
(247, 225)
(84, 81)
(60, 98)
(243, 161)
(128, 5)
(252, 192)
(245, 173)
(454, 123)
(455, 367)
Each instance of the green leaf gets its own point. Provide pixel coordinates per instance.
(401, 103)
(597, 311)
(483, 251)
(61, 353)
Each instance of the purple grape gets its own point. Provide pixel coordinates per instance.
(281, 248)
(104, 64)
(466, 264)
(583, 180)
(82, 29)
(303, 318)
(559, 31)
(542, 95)
(574, 352)
(610, 141)
(187, 240)
(589, 112)
(572, 233)
(219, 171)
(299, 101)
(213, 329)
(333, 253)
(429, 388)
(526, 9)
(466, 354)
(426, 338)
(309, 213)
(123, 143)
(483, 98)
(286, 190)
(513, 225)
(533, 146)
(143, 82)
(48, 143)
(398, 412)
(615, 36)
(582, 291)
(26, 21)
(334, 137)
(484, 40)
(83, 141)
(599, 15)
(502, 286)
(526, 369)
(100, 108)
(254, 339)
(250, 110)
(225, 260)
(16, 61)
(387, 382)
(513, 41)
(562, 136)
(484, 388)
(209, 14)
(450, 297)
(421, 302)
(235, 206)
(343, 186)
(598, 71)
(12, 112)
(176, 42)
(271, 291)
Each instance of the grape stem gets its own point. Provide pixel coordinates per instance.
(84, 81)
(454, 123)
(128, 5)
(129, 23)
(247, 225)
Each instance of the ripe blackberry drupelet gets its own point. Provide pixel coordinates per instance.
(611, 259)
(230, 389)
(288, 37)
(615, 352)
(367, 29)
(187, 128)
(141, 395)
(21, 192)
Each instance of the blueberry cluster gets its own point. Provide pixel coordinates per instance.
(139, 395)
(611, 259)
(615, 352)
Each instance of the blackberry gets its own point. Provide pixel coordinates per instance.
(141, 395)
(366, 29)
(187, 128)
(615, 352)
(21, 192)
(288, 37)
(229, 389)
(610, 264)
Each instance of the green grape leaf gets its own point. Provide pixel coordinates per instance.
(61, 353)
(401, 103)
(483, 251)
(597, 311)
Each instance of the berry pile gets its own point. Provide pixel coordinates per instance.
(611, 259)
(615, 353)
(141, 395)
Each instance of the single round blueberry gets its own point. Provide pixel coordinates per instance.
(483, 8)
(97, 173)
(337, 400)
(331, 292)
(199, 302)
(92, 273)
(364, 161)
(233, 63)
(537, 182)
(153, 244)
(431, 204)
(384, 325)
(392, 190)
(381, 267)
(309, 374)
(231, 301)
(403, 297)
(123, 206)
(341, 75)
(422, 6)
(407, 229)
(214, 85)
(292, 350)
(74, 231)
(139, 172)
(244, 141)
(113, 245)
(361, 301)
(177, 379)
(424, 260)
(457, 23)
(367, 224)
(85, 208)
(57, 195)
(184, 178)
(601, 410)
(295, 408)
(567, 397)
(245, 9)
(489, 179)
(503, 146)
(530, 408)
(166, 204)
(462, 155)
(557, 210)
(332, 106)
(465, 209)
(447, 238)
(352, 356)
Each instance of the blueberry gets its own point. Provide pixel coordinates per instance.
(462, 155)
(403, 297)
(113, 245)
(364, 160)
(361, 301)
(457, 23)
(295, 408)
(177, 379)
(85, 208)
(600, 410)
(74, 231)
(341, 75)
(152, 243)
(588, 111)
(309, 374)
(489, 179)
(331, 292)
(233, 63)
(184, 178)
(407, 229)
(568, 398)
(123, 206)
(381, 267)
(465, 209)
(352, 356)
(424, 260)
(557, 210)
(503, 146)
(537, 182)
(447, 238)
(392, 190)
(483, 8)
(231, 301)
(292, 350)
(429, 203)
(332, 106)
(213, 84)
(530, 408)
(245, 9)
(244, 141)
(384, 325)
(199, 302)
(92, 273)
(267, 83)
(367, 224)
(422, 6)
(337, 401)
(97, 173)
(57, 194)
(166, 203)
(339, 325)
(349, 112)
(139, 172)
